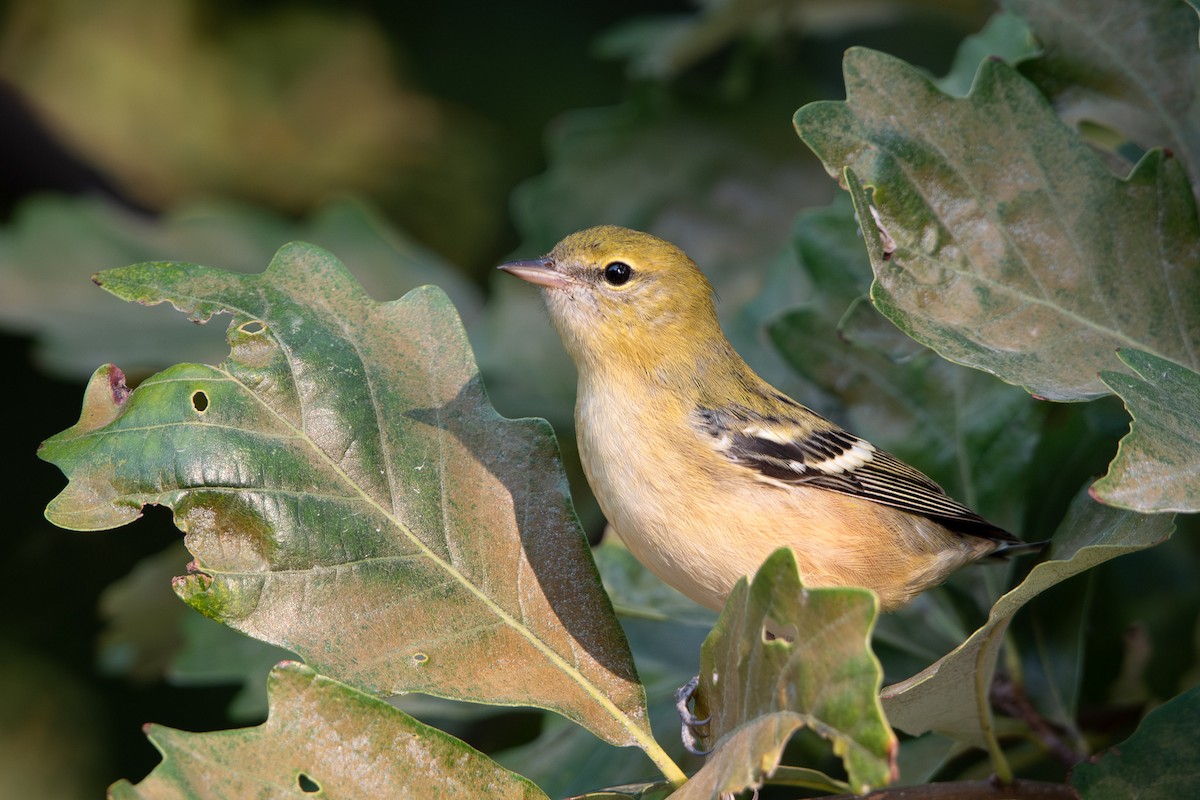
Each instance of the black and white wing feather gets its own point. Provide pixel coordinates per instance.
(784, 453)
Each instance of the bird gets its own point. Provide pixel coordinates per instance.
(703, 468)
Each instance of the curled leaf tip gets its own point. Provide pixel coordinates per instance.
(116, 384)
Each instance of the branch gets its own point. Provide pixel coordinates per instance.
(990, 789)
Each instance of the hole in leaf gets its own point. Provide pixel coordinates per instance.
(774, 632)
(420, 658)
(200, 400)
(307, 784)
(252, 327)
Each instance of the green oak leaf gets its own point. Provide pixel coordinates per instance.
(951, 696)
(348, 493)
(1157, 467)
(142, 619)
(1130, 65)
(759, 692)
(322, 737)
(999, 239)
(214, 654)
(663, 47)
(1158, 762)
(1005, 36)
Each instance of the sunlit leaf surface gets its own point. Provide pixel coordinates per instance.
(349, 493)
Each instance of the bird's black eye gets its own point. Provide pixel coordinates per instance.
(617, 273)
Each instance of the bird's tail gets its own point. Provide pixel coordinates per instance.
(1014, 549)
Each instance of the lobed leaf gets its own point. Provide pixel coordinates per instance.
(349, 493)
(1157, 467)
(322, 737)
(761, 692)
(951, 697)
(1130, 65)
(999, 239)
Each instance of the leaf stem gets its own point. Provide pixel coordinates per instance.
(1008, 696)
(666, 766)
(1003, 769)
(983, 699)
(637, 612)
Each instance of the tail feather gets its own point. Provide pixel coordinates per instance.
(1015, 549)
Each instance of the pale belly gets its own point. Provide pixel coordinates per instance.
(702, 532)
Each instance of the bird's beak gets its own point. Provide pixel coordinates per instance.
(542, 271)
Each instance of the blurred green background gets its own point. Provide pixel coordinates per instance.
(420, 142)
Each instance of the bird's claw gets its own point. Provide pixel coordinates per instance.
(683, 696)
(690, 722)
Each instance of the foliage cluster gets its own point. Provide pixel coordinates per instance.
(349, 494)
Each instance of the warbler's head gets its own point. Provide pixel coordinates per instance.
(616, 292)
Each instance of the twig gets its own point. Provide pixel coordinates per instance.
(971, 790)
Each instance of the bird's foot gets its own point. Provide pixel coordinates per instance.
(690, 722)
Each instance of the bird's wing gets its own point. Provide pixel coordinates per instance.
(787, 453)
